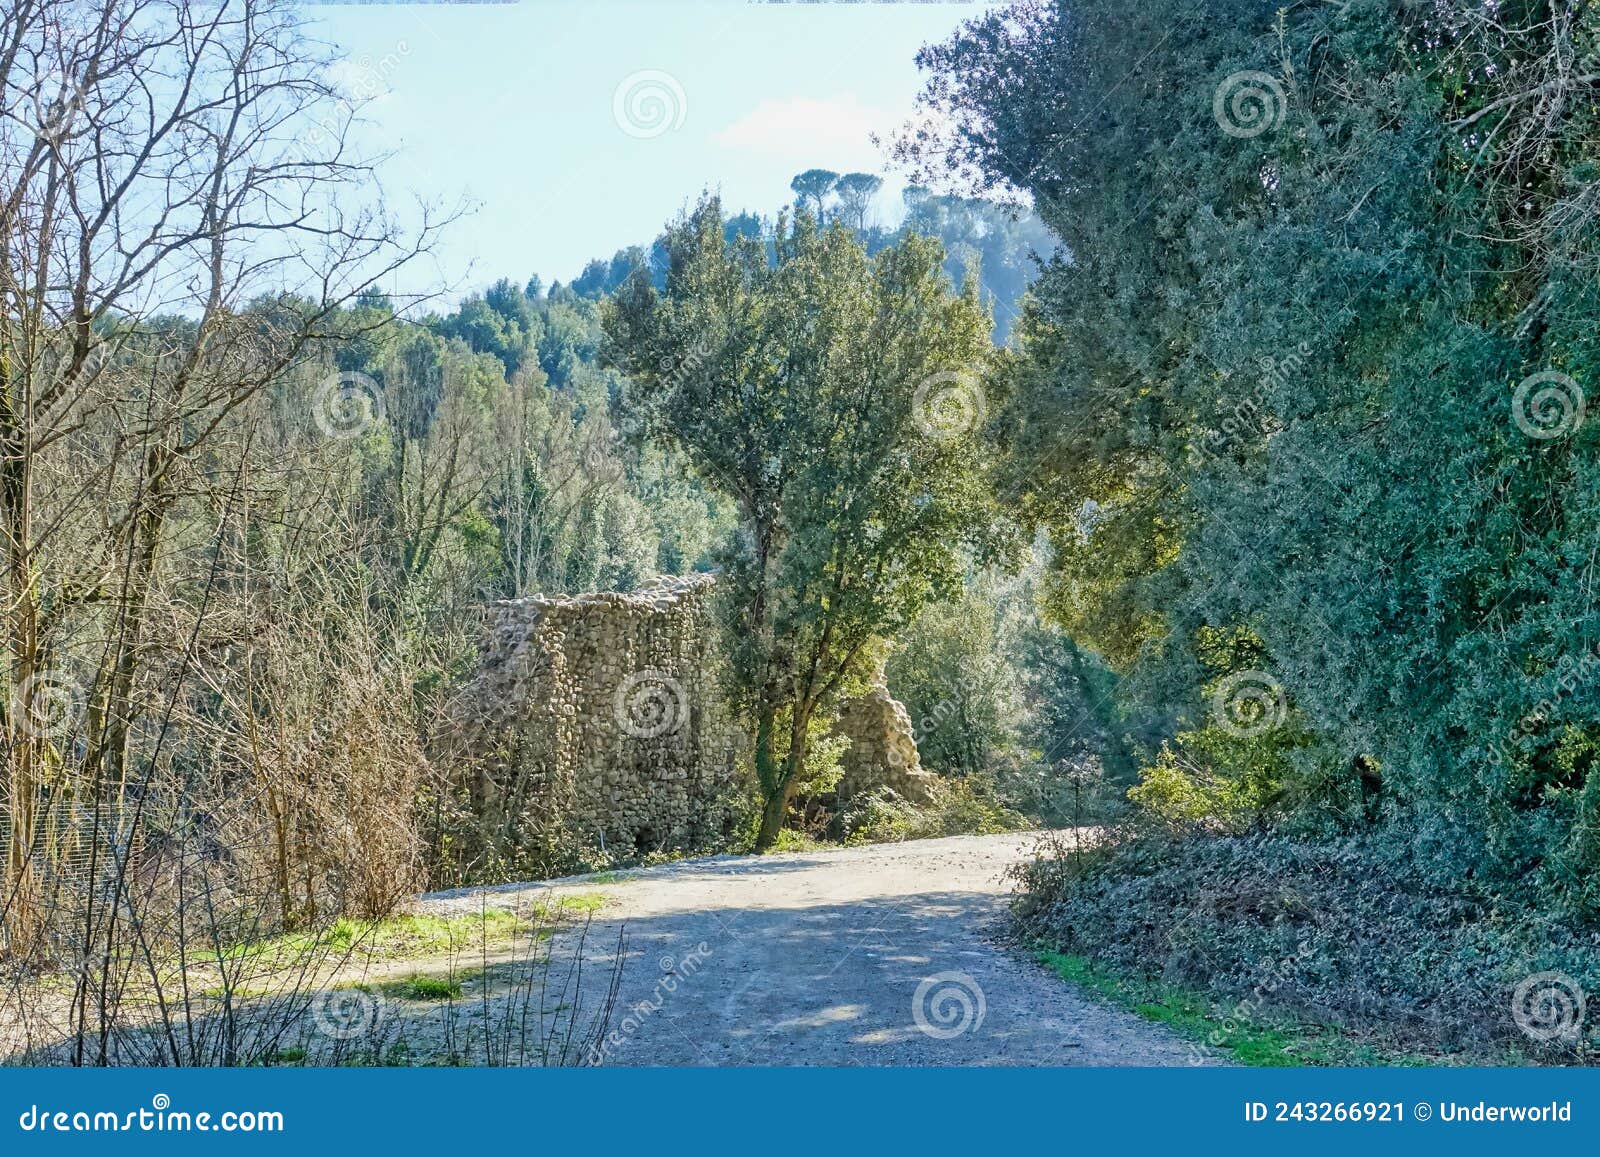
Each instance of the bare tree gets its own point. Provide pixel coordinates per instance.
(181, 217)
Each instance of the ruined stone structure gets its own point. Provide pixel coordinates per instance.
(602, 714)
(883, 747)
(607, 717)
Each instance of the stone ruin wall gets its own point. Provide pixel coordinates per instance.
(883, 747)
(608, 717)
(603, 713)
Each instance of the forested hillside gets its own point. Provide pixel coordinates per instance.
(1001, 243)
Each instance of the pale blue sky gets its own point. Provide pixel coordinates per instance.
(514, 107)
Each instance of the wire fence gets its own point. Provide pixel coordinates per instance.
(75, 847)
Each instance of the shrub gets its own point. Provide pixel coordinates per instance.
(958, 807)
(1351, 932)
(1179, 790)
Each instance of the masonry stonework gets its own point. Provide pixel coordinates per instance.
(602, 713)
(883, 746)
(607, 713)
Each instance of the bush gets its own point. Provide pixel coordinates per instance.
(967, 806)
(1351, 932)
(1176, 789)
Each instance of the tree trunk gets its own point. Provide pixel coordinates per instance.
(781, 793)
(769, 778)
(772, 817)
(19, 888)
(19, 899)
(110, 746)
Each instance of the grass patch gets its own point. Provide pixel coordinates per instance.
(1259, 1039)
(581, 902)
(790, 840)
(217, 992)
(425, 988)
(397, 936)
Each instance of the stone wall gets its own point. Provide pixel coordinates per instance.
(602, 713)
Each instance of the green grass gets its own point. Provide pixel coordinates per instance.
(409, 935)
(581, 902)
(418, 986)
(239, 992)
(790, 840)
(1262, 1038)
(429, 988)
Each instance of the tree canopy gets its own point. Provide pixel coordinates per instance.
(1301, 398)
(832, 397)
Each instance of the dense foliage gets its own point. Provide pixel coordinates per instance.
(1354, 935)
(1301, 399)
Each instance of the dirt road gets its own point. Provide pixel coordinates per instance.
(879, 955)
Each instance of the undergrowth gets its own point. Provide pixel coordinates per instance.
(1328, 952)
(1259, 1038)
(966, 806)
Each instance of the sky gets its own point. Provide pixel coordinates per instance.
(573, 128)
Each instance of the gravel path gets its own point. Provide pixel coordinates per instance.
(878, 955)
